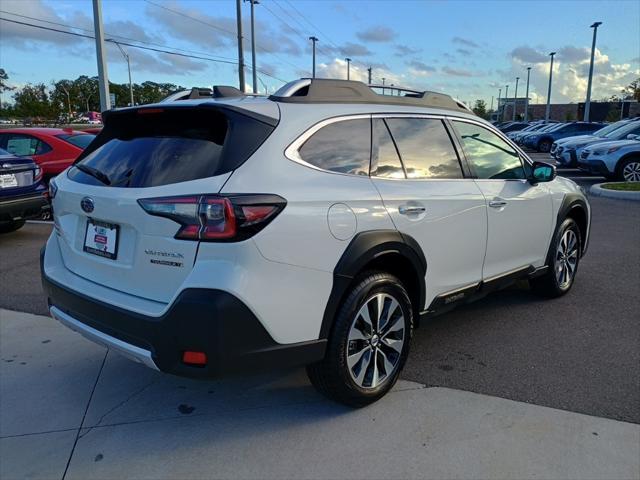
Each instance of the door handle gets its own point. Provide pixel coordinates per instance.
(498, 203)
(411, 209)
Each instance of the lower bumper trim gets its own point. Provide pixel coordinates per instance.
(132, 352)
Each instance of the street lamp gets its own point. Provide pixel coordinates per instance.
(253, 46)
(313, 41)
(548, 110)
(587, 105)
(383, 79)
(526, 100)
(515, 100)
(506, 100)
(126, 57)
(499, 96)
(348, 60)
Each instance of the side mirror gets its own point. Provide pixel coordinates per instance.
(542, 172)
(632, 136)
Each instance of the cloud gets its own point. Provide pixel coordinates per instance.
(464, 52)
(465, 42)
(454, 72)
(420, 69)
(377, 33)
(338, 69)
(405, 50)
(351, 49)
(529, 55)
(572, 54)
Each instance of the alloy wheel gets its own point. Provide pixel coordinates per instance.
(631, 172)
(376, 338)
(566, 259)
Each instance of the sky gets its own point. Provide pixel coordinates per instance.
(468, 49)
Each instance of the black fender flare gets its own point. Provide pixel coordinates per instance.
(572, 201)
(363, 248)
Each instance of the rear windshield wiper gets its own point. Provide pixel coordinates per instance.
(94, 173)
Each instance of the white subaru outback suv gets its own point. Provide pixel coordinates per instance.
(315, 227)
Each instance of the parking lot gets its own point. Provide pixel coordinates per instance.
(578, 354)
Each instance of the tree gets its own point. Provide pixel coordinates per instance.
(632, 91)
(480, 108)
(33, 101)
(3, 83)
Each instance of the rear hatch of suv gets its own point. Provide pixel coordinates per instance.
(119, 209)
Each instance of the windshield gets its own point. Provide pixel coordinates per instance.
(80, 140)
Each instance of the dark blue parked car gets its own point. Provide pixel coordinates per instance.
(542, 141)
(21, 191)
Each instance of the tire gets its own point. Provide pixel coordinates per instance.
(544, 146)
(629, 170)
(562, 263)
(12, 226)
(357, 350)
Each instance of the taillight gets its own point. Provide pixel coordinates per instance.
(37, 174)
(216, 218)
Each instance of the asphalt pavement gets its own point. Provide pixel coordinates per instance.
(578, 353)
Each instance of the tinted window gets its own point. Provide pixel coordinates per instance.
(343, 147)
(25, 145)
(384, 156)
(425, 148)
(171, 146)
(489, 155)
(81, 141)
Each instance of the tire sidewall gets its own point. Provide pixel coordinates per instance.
(542, 143)
(622, 164)
(567, 224)
(383, 283)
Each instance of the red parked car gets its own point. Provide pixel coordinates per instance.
(53, 149)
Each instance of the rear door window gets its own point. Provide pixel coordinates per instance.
(342, 147)
(172, 145)
(425, 148)
(25, 145)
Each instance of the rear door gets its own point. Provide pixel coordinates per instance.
(418, 173)
(104, 233)
(519, 213)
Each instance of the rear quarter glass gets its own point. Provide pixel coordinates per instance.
(170, 145)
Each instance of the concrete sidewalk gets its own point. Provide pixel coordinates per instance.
(70, 409)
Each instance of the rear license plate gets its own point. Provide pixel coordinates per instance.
(9, 180)
(101, 239)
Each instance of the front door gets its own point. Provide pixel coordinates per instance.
(519, 214)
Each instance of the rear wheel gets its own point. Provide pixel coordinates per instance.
(369, 342)
(629, 170)
(562, 265)
(12, 226)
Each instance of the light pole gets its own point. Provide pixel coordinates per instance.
(313, 41)
(369, 70)
(526, 100)
(68, 101)
(126, 57)
(548, 110)
(515, 100)
(506, 100)
(348, 60)
(491, 107)
(240, 49)
(499, 96)
(587, 104)
(103, 75)
(253, 46)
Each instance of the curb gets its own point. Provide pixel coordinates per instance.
(598, 191)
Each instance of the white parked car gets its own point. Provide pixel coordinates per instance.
(315, 227)
(567, 151)
(619, 160)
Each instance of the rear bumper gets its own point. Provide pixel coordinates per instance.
(203, 320)
(23, 207)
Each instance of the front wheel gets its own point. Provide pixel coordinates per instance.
(629, 170)
(562, 265)
(369, 342)
(12, 226)
(544, 146)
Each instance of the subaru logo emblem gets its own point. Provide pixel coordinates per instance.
(87, 204)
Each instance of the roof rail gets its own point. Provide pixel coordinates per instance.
(321, 90)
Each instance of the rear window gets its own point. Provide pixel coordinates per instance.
(80, 140)
(168, 146)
